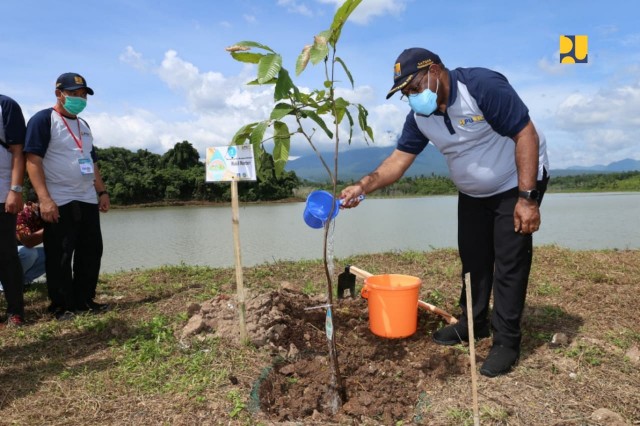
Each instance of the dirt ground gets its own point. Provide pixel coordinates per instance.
(415, 381)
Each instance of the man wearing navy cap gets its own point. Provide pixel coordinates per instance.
(62, 166)
(498, 161)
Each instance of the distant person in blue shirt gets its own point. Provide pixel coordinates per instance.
(498, 161)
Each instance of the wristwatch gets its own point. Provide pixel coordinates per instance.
(101, 193)
(532, 194)
(16, 188)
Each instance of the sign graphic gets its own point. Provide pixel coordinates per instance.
(227, 163)
(574, 49)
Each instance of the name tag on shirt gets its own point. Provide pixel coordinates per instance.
(86, 166)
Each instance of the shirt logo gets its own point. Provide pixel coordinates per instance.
(574, 49)
(470, 120)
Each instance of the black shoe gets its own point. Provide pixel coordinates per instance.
(97, 307)
(500, 360)
(458, 333)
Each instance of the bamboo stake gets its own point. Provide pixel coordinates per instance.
(472, 350)
(235, 219)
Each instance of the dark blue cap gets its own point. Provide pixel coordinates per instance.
(408, 64)
(72, 81)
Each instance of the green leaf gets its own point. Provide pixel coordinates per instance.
(370, 132)
(256, 82)
(362, 120)
(268, 67)
(341, 109)
(350, 124)
(251, 58)
(320, 49)
(243, 134)
(315, 117)
(283, 85)
(254, 44)
(257, 135)
(340, 18)
(282, 139)
(346, 70)
(280, 111)
(303, 59)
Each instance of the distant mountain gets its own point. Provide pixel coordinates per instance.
(626, 165)
(355, 163)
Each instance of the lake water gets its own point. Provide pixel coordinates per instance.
(150, 237)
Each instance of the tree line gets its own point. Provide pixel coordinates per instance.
(178, 175)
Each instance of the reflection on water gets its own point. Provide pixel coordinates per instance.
(149, 237)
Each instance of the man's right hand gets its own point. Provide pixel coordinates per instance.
(349, 196)
(49, 211)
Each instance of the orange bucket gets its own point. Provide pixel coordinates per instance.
(393, 304)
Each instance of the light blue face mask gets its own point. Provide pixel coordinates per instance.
(425, 102)
(74, 104)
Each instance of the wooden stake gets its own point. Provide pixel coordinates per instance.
(472, 350)
(235, 219)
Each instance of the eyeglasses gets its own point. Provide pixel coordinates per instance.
(412, 89)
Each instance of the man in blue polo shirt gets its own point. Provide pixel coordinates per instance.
(12, 132)
(498, 161)
(62, 166)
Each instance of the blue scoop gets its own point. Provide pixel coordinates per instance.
(318, 207)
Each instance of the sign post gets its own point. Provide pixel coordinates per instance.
(232, 164)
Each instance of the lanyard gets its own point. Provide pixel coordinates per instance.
(75, 139)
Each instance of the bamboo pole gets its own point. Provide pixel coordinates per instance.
(472, 349)
(235, 220)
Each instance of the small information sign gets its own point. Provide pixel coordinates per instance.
(228, 163)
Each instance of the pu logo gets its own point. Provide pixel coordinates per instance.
(573, 49)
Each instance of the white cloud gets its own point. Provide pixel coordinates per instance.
(602, 124)
(133, 58)
(295, 6)
(249, 18)
(369, 9)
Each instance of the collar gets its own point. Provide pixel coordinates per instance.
(453, 87)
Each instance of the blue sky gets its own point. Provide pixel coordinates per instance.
(161, 74)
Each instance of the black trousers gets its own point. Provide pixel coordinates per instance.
(10, 267)
(73, 251)
(497, 259)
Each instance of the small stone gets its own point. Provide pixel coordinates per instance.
(288, 369)
(608, 417)
(573, 376)
(194, 326)
(293, 351)
(287, 285)
(559, 339)
(634, 355)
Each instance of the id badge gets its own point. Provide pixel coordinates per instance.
(86, 166)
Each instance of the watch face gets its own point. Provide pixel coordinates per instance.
(534, 194)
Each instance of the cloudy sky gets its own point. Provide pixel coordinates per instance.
(161, 74)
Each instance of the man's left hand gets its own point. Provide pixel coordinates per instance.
(526, 216)
(14, 202)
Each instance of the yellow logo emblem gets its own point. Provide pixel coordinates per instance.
(574, 49)
(78, 80)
